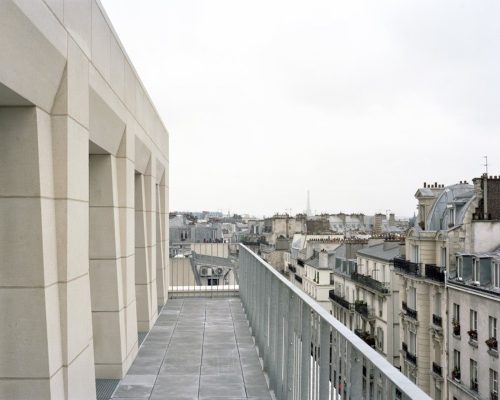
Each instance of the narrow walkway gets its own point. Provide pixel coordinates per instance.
(198, 349)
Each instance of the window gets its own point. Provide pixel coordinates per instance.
(456, 360)
(415, 253)
(380, 339)
(456, 313)
(437, 304)
(443, 257)
(412, 348)
(492, 327)
(452, 215)
(475, 270)
(495, 276)
(473, 375)
(493, 381)
(412, 298)
(460, 267)
(473, 320)
(380, 307)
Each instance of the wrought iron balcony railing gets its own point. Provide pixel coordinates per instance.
(437, 369)
(362, 308)
(437, 320)
(366, 336)
(287, 324)
(298, 278)
(292, 268)
(339, 300)
(411, 358)
(434, 272)
(370, 282)
(406, 266)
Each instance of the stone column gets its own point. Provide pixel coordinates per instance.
(161, 243)
(145, 266)
(107, 269)
(46, 341)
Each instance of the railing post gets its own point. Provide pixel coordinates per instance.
(292, 317)
(324, 360)
(273, 335)
(354, 374)
(305, 364)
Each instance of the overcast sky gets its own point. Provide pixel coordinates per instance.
(359, 102)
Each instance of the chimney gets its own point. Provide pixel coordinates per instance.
(323, 259)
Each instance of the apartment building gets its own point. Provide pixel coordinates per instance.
(453, 222)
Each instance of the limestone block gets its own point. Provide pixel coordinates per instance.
(24, 342)
(102, 181)
(130, 83)
(81, 376)
(20, 229)
(78, 21)
(45, 21)
(57, 7)
(131, 327)
(35, 64)
(76, 322)
(73, 238)
(127, 238)
(78, 76)
(106, 285)
(117, 69)
(71, 151)
(19, 164)
(108, 336)
(143, 307)
(142, 274)
(106, 123)
(129, 266)
(125, 178)
(101, 50)
(103, 241)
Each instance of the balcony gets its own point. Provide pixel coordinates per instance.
(437, 320)
(437, 369)
(339, 300)
(292, 268)
(409, 312)
(201, 346)
(366, 336)
(412, 358)
(407, 267)
(494, 396)
(434, 272)
(404, 346)
(369, 282)
(300, 262)
(456, 327)
(298, 278)
(474, 386)
(362, 308)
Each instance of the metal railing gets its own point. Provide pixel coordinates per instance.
(437, 320)
(368, 281)
(206, 269)
(434, 272)
(306, 352)
(340, 300)
(437, 369)
(406, 266)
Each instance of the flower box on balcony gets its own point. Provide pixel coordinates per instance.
(492, 343)
(472, 334)
(456, 329)
(455, 375)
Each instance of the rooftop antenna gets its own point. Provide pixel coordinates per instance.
(486, 164)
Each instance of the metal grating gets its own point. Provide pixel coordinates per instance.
(105, 388)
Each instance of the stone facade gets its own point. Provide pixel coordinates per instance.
(83, 202)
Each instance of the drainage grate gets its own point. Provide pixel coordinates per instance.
(105, 388)
(141, 336)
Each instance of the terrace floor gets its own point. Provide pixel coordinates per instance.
(199, 348)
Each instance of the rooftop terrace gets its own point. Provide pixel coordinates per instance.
(199, 348)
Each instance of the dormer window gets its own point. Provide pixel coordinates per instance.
(460, 267)
(496, 274)
(475, 270)
(451, 215)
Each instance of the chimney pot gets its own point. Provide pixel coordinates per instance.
(425, 184)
